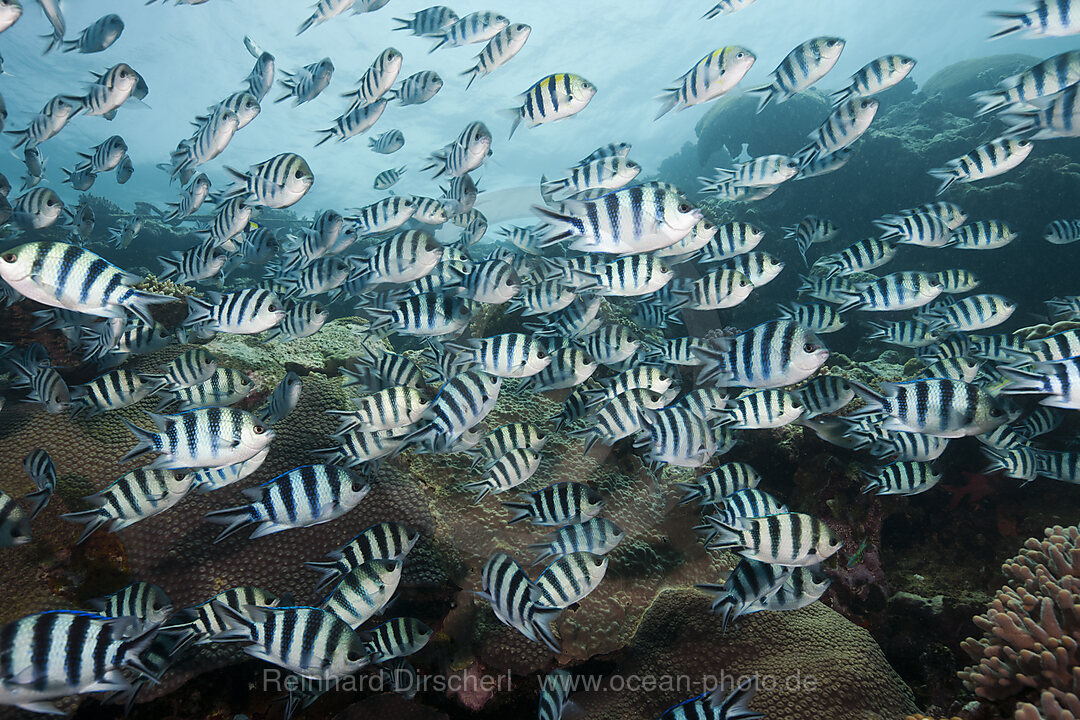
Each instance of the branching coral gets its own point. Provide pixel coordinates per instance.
(1031, 641)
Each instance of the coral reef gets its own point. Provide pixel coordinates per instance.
(1031, 642)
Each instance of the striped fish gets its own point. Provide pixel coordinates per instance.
(789, 539)
(389, 409)
(191, 199)
(923, 228)
(904, 290)
(429, 315)
(307, 83)
(1019, 463)
(215, 478)
(225, 387)
(757, 173)
(1059, 381)
(975, 312)
(876, 76)
(548, 296)
(324, 275)
(283, 399)
(463, 155)
(705, 402)
(231, 218)
(384, 541)
(747, 503)
(97, 36)
(609, 173)
(679, 351)
(110, 90)
(140, 494)
(595, 536)
(500, 49)
(720, 703)
(951, 213)
(243, 103)
(67, 652)
(982, 235)
(325, 10)
(62, 275)
(801, 68)
(936, 406)
(799, 590)
(774, 354)
(824, 394)
(114, 390)
(42, 472)
(378, 372)
(429, 22)
(364, 590)
(473, 28)
(1040, 421)
(417, 89)
(620, 417)
(244, 312)
(14, 524)
(1046, 18)
(551, 98)
(402, 258)
(310, 642)
(700, 237)
(677, 436)
(720, 289)
(906, 446)
(714, 75)
(835, 289)
(641, 376)
(816, 317)
(629, 276)
(460, 196)
(261, 78)
(505, 438)
(1059, 346)
(955, 282)
(558, 504)
(202, 623)
(46, 387)
(275, 183)
(986, 161)
(905, 333)
(732, 239)
(1063, 466)
(143, 601)
(570, 579)
(750, 582)
(306, 496)
(1060, 118)
(301, 320)
(105, 156)
(462, 403)
(763, 409)
(901, 478)
(635, 219)
(356, 120)
(1041, 80)
(515, 600)
(825, 164)
(726, 7)
(199, 262)
(396, 638)
(389, 142)
(47, 123)
(377, 79)
(712, 488)
(510, 355)
(569, 367)
(383, 216)
(210, 140)
(555, 697)
(810, 231)
(847, 123)
(206, 437)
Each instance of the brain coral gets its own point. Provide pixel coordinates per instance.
(811, 663)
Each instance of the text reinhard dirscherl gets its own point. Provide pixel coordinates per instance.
(410, 683)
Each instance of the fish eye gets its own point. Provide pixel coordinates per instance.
(353, 656)
(258, 429)
(684, 207)
(9, 257)
(740, 55)
(810, 347)
(272, 308)
(996, 412)
(541, 354)
(298, 174)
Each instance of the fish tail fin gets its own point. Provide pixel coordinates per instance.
(146, 441)
(473, 73)
(140, 303)
(875, 401)
(692, 492)
(548, 188)
(840, 96)
(514, 113)
(715, 368)
(236, 518)
(1014, 22)
(991, 100)
(668, 100)
(725, 537)
(946, 175)
(767, 92)
(306, 25)
(736, 704)
(1023, 382)
(522, 511)
(541, 623)
(94, 518)
(38, 500)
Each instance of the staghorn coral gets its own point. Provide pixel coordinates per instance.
(811, 663)
(1031, 640)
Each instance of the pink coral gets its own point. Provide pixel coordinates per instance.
(1031, 641)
